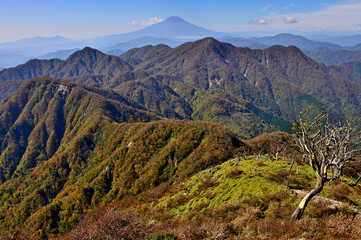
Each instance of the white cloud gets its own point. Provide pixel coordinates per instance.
(289, 20)
(331, 18)
(262, 22)
(266, 7)
(151, 21)
(259, 22)
(340, 17)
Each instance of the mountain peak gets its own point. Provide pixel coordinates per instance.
(176, 27)
(287, 34)
(291, 36)
(87, 51)
(209, 41)
(213, 43)
(175, 19)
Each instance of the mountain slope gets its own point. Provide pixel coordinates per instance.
(350, 71)
(315, 79)
(263, 90)
(355, 67)
(335, 57)
(68, 148)
(204, 65)
(42, 111)
(153, 94)
(86, 61)
(283, 79)
(250, 198)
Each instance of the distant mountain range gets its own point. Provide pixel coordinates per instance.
(243, 42)
(345, 41)
(34, 42)
(286, 39)
(38, 46)
(141, 42)
(338, 57)
(172, 32)
(250, 91)
(172, 28)
(61, 54)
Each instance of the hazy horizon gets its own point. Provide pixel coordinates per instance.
(86, 19)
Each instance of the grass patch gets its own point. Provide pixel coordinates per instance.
(235, 182)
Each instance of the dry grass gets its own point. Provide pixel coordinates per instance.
(232, 221)
(116, 223)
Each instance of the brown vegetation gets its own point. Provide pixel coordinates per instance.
(264, 218)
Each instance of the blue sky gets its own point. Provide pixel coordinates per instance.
(89, 18)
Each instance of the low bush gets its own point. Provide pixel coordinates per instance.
(116, 223)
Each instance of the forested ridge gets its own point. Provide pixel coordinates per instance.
(156, 139)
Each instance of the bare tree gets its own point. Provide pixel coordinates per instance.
(356, 182)
(278, 149)
(327, 148)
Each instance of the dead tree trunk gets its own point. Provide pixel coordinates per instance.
(293, 162)
(356, 182)
(297, 214)
(327, 148)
